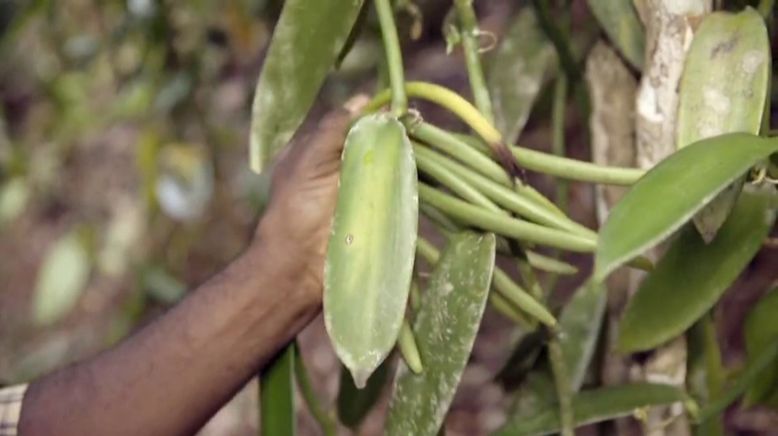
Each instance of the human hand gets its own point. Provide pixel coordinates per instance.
(296, 223)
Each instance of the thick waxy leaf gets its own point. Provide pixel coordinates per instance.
(353, 403)
(519, 68)
(306, 42)
(445, 329)
(672, 192)
(370, 255)
(596, 405)
(723, 89)
(579, 327)
(692, 275)
(620, 21)
(761, 329)
(276, 388)
(61, 280)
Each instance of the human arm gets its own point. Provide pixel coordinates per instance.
(175, 373)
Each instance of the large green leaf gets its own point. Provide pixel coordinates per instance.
(579, 326)
(445, 328)
(369, 262)
(723, 89)
(62, 279)
(672, 192)
(620, 21)
(693, 275)
(306, 42)
(276, 390)
(353, 403)
(761, 329)
(595, 405)
(518, 69)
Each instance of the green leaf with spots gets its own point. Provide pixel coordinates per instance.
(619, 20)
(672, 192)
(524, 61)
(445, 328)
(760, 330)
(596, 405)
(723, 89)
(579, 329)
(369, 264)
(276, 391)
(307, 40)
(691, 277)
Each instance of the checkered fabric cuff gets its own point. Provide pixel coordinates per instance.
(10, 409)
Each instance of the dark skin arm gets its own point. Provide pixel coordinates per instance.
(174, 374)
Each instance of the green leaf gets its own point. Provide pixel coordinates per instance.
(445, 329)
(723, 90)
(579, 329)
(764, 359)
(672, 192)
(620, 21)
(306, 43)
(369, 262)
(761, 329)
(692, 276)
(518, 69)
(276, 389)
(353, 403)
(705, 371)
(595, 405)
(62, 278)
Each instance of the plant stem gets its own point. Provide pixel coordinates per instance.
(557, 38)
(503, 225)
(766, 8)
(562, 383)
(459, 149)
(531, 159)
(558, 135)
(408, 348)
(510, 292)
(427, 164)
(324, 419)
(498, 193)
(469, 32)
(393, 56)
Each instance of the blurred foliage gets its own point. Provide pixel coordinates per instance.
(127, 119)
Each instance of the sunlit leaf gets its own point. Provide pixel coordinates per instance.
(672, 192)
(579, 329)
(595, 405)
(353, 403)
(619, 20)
(370, 253)
(760, 330)
(518, 69)
(62, 279)
(693, 275)
(306, 42)
(276, 387)
(723, 90)
(445, 329)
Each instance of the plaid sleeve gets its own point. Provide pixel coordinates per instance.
(10, 409)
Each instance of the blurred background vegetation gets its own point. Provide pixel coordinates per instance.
(124, 178)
